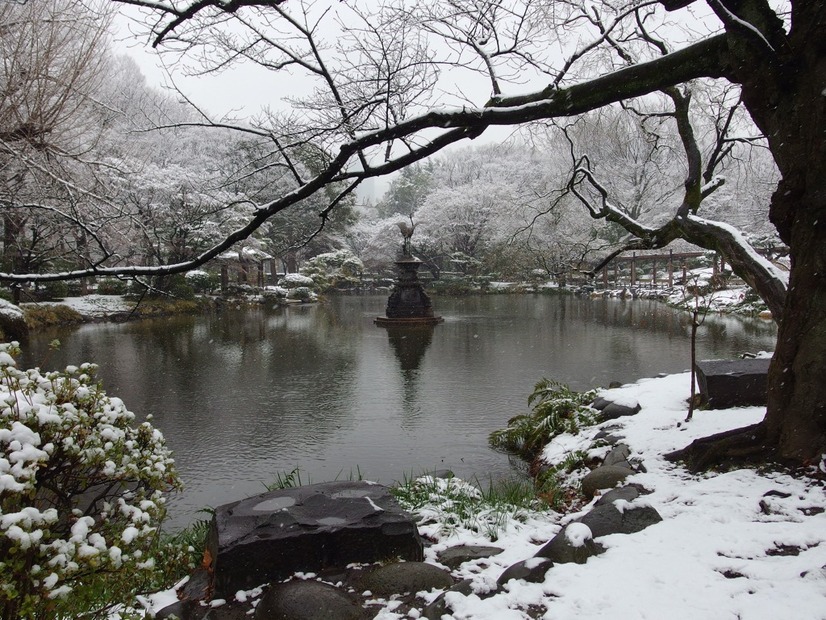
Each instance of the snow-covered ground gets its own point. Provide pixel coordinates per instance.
(741, 545)
(717, 554)
(94, 306)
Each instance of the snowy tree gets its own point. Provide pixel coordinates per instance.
(374, 240)
(407, 191)
(656, 200)
(50, 121)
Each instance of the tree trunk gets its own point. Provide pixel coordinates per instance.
(793, 115)
(783, 90)
(796, 416)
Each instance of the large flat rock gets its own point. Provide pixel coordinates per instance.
(732, 383)
(329, 525)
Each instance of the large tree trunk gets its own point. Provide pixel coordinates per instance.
(796, 416)
(793, 115)
(784, 88)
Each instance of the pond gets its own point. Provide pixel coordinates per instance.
(245, 395)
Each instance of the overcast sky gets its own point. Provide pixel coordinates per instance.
(246, 88)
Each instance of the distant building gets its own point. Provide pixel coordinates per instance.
(246, 266)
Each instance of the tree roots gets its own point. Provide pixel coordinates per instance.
(741, 446)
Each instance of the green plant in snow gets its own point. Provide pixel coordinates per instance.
(556, 409)
(81, 494)
(454, 504)
(559, 484)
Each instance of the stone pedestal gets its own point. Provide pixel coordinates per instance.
(408, 303)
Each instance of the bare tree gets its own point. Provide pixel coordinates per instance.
(703, 177)
(52, 65)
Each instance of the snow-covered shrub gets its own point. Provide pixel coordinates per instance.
(13, 322)
(53, 290)
(333, 269)
(274, 293)
(202, 281)
(81, 490)
(111, 286)
(295, 280)
(301, 292)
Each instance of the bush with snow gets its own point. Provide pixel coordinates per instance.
(334, 269)
(202, 281)
(302, 293)
(81, 488)
(295, 280)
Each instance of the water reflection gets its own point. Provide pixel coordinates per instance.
(242, 395)
(409, 343)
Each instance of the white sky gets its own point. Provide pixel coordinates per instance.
(245, 89)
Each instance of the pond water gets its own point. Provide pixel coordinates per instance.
(242, 396)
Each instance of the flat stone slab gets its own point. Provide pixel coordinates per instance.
(312, 528)
(732, 383)
(454, 557)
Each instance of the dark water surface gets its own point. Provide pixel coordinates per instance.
(244, 395)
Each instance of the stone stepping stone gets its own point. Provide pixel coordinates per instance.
(454, 557)
(405, 577)
(307, 600)
(604, 477)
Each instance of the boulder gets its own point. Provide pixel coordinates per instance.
(612, 411)
(531, 570)
(453, 557)
(182, 610)
(605, 477)
(403, 577)
(271, 536)
(600, 403)
(307, 600)
(618, 456)
(732, 383)
(607, 519)
(627, 493)
(574, 544)
(438, 608)
(194, 610)
(608, 437)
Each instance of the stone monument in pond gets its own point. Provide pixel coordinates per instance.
(408, 304)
